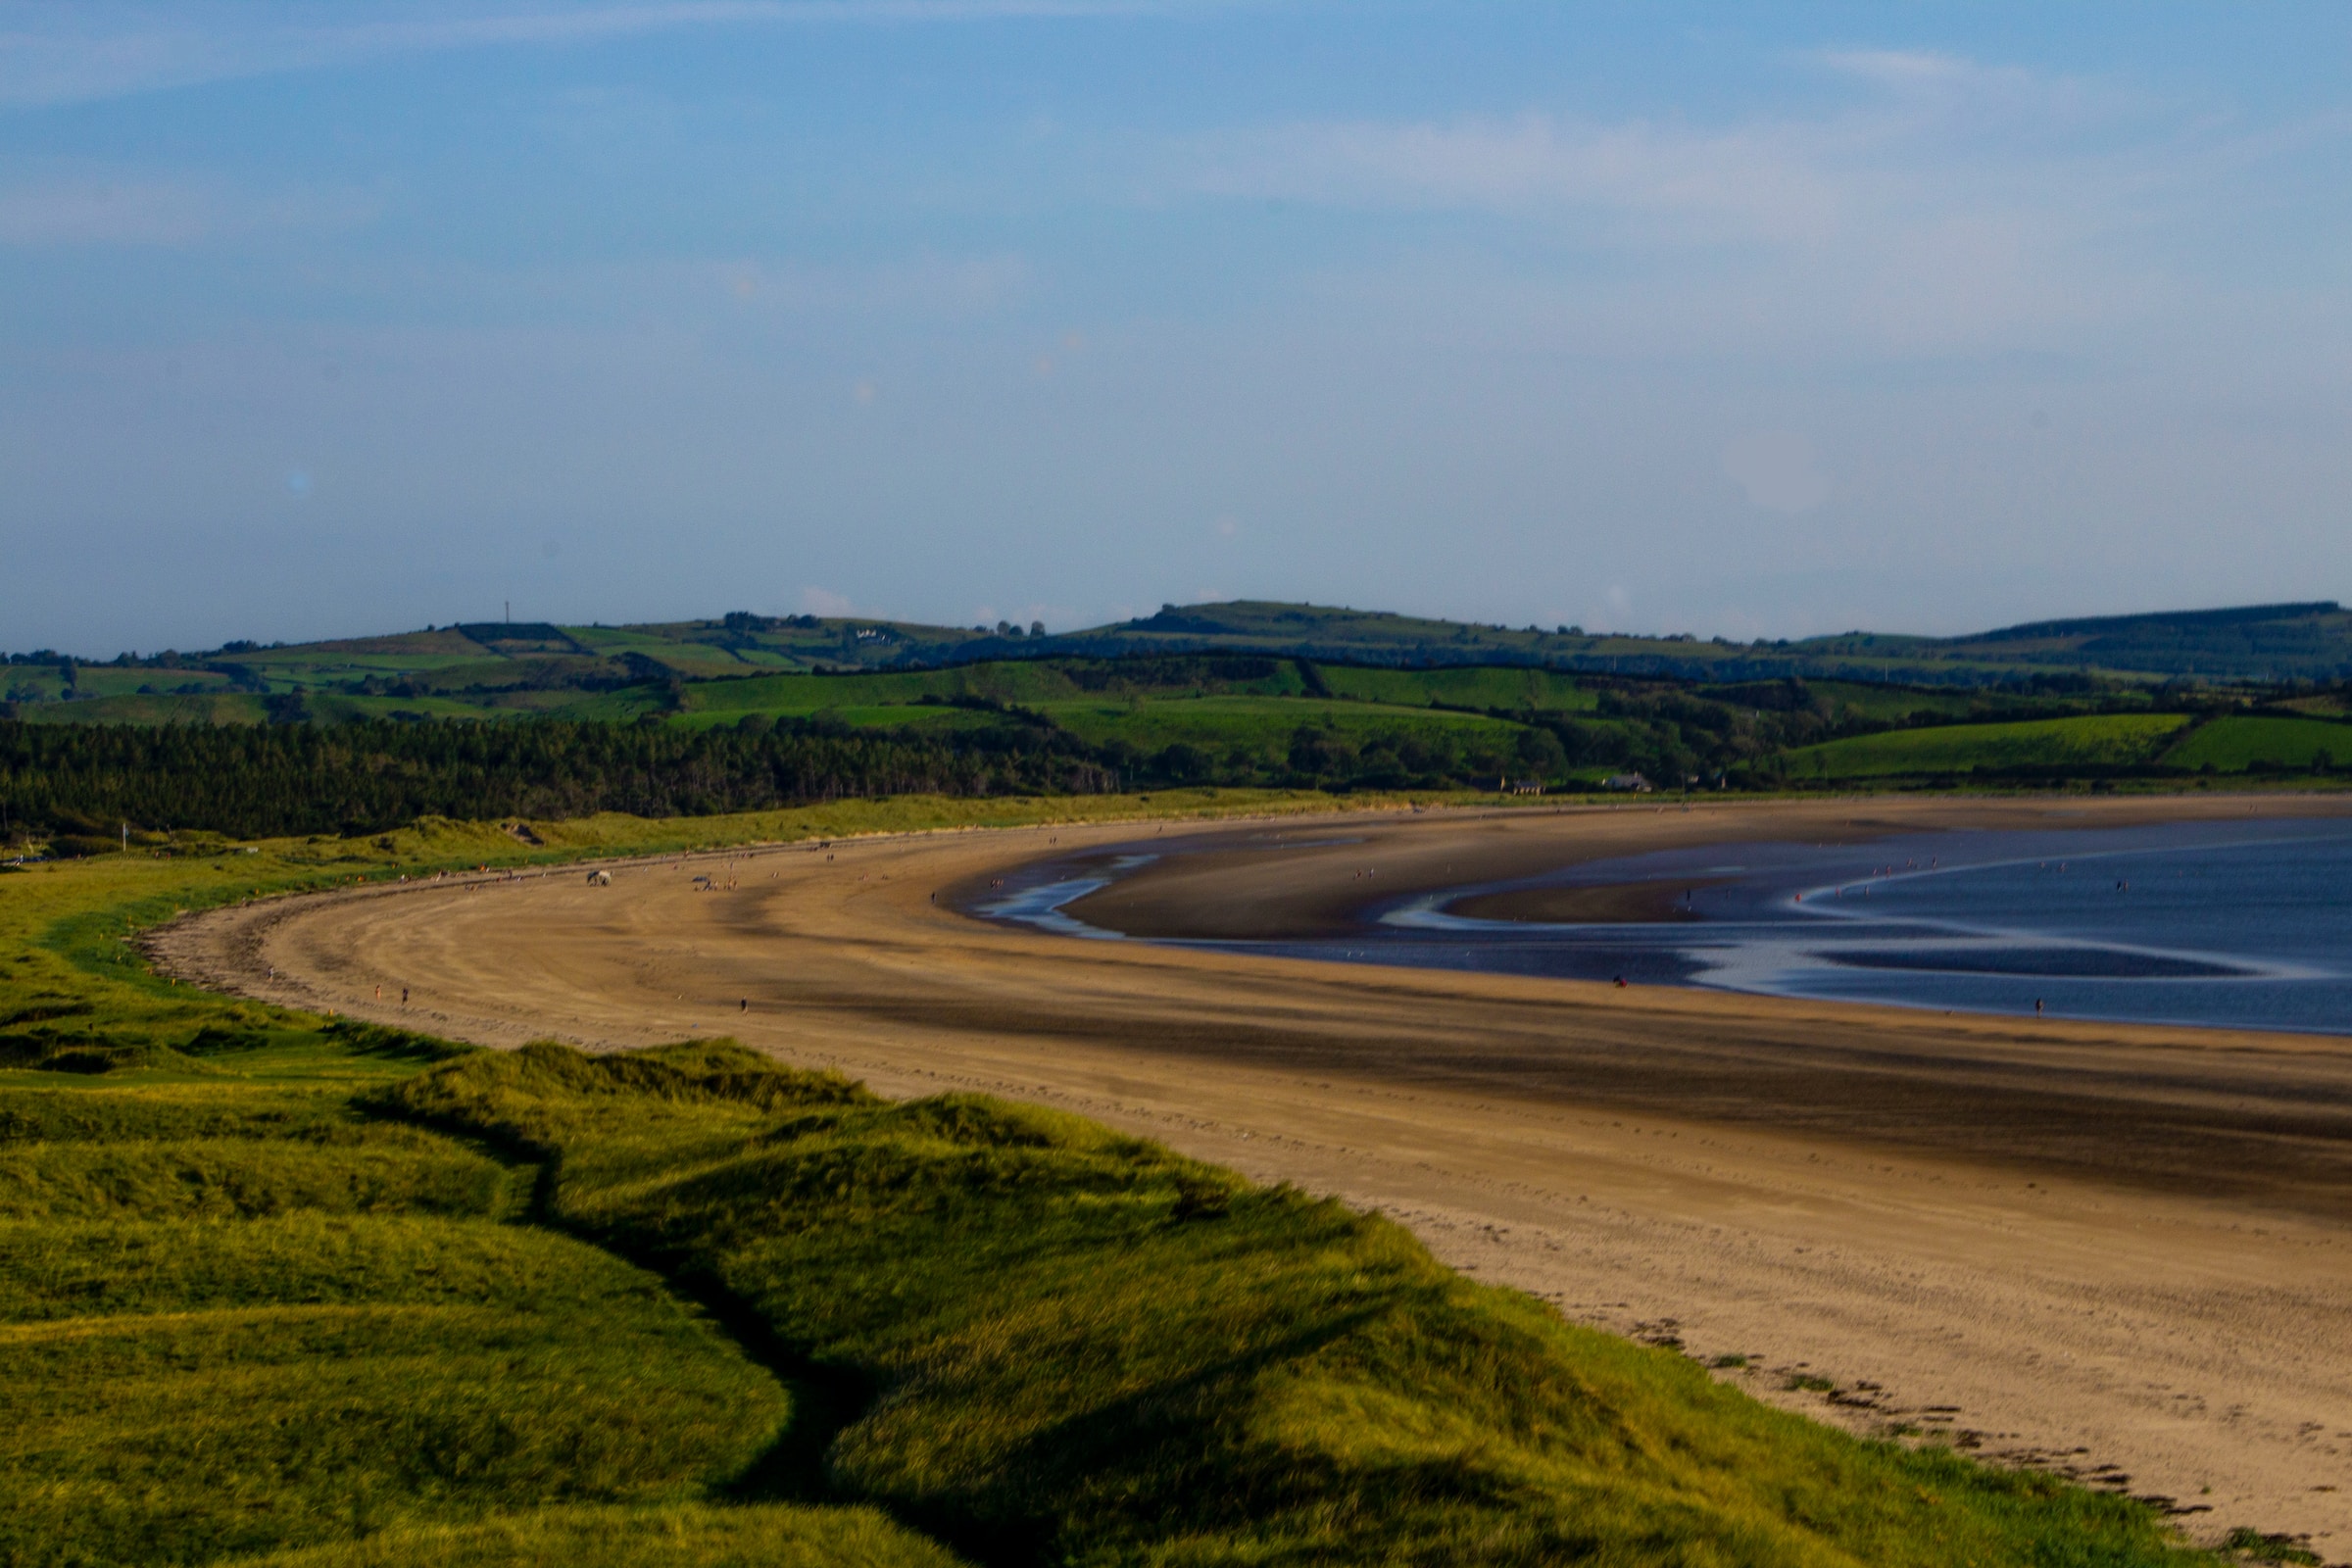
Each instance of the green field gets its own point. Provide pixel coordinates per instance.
(2102, 740)
(2235, 743)
(280, 1291)
(1255, 717)
(1264, 726)
(1898, 703)
(442, 672)
(921, 719)
(1019, 681)
(1245, 695)
(217, 708)
(1367, 654)
(1043, 684)
(1489, 687)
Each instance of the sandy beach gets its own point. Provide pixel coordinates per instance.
(2118, 1251)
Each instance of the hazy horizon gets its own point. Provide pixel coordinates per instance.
(1728, 319)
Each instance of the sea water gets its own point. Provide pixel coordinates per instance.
(2238, 923)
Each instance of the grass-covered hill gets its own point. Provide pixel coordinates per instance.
(2264, 643)
(605, 672)
(2260, 642)
(275, 1291)
(744, 713)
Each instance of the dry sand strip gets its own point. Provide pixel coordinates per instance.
(2122, 1251)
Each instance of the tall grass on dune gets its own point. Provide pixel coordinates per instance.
(1078, 1348)
(217, 1344)
(675, 1536)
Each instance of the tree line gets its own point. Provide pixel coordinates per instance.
(87, 781)
(79, 786)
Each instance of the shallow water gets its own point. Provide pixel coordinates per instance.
(2245, 924)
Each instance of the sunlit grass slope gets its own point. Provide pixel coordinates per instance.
(2093, 739)
(739, 1536)
(237, 1314)
(1077, 1347)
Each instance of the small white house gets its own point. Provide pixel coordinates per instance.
(1625, 781)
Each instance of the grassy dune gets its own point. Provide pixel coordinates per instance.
(733, 1536)
(1070, 1346)
(234, 1317)
(2095, 739)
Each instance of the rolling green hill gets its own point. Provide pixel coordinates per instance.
(765, 711)
(503, 669)
(2310, 641)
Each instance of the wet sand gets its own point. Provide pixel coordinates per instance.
(1290, 880)
(2120, 1250)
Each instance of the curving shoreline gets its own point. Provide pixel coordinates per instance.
(1263, 885)
(1975, 915)
(2121, 1240)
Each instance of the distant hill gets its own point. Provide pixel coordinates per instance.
(624, 673)
(2260, 643)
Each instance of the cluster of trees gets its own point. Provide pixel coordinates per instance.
(78, 785)
(1321, 757)
(83, 781)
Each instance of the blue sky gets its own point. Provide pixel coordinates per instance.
(322, 319)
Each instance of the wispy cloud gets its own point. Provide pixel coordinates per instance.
(86, 207)
(1760, 181)
(52, 54)
(119, 213)
(1922, 117)
(1946, 203)
(1910, 70)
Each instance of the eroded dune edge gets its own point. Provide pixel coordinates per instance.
(2117, 1251)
